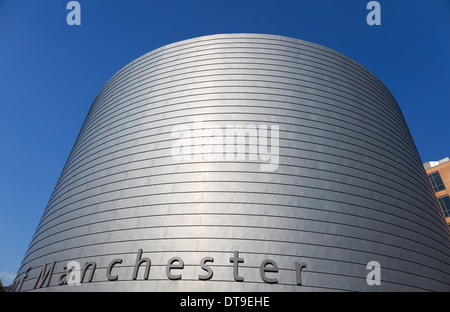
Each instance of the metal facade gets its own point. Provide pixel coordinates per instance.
(349, 187)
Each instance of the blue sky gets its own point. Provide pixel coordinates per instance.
(50, 73)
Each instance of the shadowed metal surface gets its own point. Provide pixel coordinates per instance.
(349, 187)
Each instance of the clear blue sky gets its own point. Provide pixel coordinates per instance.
(50, 73)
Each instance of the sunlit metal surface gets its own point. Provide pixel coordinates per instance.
(349, 187)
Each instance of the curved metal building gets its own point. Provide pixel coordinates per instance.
(241, 162)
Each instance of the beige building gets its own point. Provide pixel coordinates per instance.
(439, 174)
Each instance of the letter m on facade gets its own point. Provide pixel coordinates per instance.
(44, 276)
